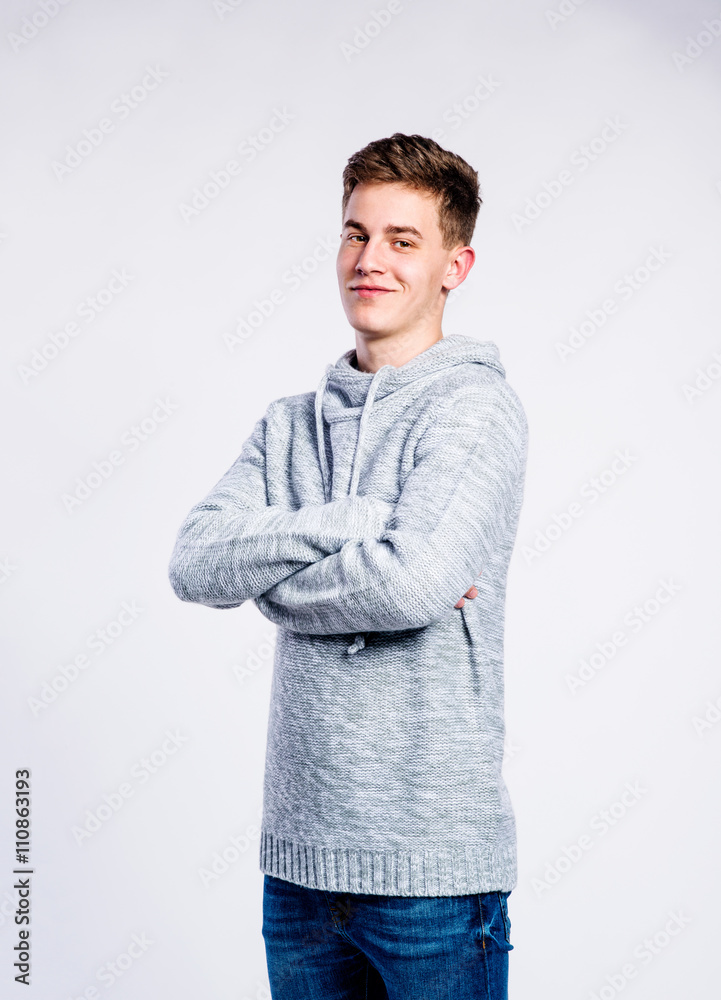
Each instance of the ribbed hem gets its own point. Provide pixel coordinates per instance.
(389, 873)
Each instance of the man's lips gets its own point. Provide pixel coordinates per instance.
(369, 291)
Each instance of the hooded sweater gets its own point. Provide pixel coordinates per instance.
(355, 518)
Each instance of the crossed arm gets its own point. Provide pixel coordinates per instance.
(452, 512)
(360, 563)
(235, 546)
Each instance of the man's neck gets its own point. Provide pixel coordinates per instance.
(371, 355)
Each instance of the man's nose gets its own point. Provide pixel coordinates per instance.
(370, 258)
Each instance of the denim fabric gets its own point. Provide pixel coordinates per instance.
(323, 945)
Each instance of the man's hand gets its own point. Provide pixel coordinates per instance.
(471, 593)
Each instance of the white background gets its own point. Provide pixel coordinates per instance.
(645, 716)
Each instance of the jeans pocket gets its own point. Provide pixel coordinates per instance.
(503, 905)
(496, 926)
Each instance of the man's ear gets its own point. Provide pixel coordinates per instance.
(460, 264)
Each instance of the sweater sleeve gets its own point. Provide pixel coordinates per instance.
(454, 509)
(234, 546)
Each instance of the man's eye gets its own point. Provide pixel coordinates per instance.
(403, 241)
(356, 236)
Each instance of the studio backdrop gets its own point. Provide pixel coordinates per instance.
(170, 216)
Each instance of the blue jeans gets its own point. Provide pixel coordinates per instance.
(323, 945)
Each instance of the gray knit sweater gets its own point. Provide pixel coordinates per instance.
(355, 518)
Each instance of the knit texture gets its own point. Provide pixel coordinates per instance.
(355, 518)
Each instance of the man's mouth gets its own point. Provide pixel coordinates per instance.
(369, 291)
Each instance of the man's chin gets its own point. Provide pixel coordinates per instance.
(374, 332)
(364, 321)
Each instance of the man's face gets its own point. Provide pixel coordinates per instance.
(391, 264)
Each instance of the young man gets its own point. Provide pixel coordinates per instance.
(358, 518)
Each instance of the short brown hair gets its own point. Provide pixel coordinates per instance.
(421, 163)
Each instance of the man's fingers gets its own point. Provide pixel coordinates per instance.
(471, 593)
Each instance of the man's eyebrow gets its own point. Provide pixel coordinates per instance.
(394, 230)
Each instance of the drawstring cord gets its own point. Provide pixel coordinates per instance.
(359, 640)
(358, 644)
(320, 434)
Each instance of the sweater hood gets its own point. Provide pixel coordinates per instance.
(344, 392)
